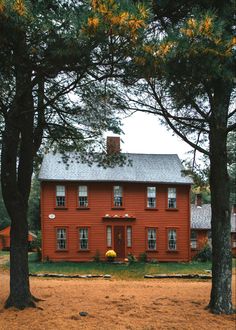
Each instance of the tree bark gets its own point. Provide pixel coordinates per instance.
(221, 292)
(16, 173)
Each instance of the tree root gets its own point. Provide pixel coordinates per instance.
(20, 303)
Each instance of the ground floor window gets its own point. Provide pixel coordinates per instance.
(61, 239)
(193, 239)
(151, 239)
(172, 239)
(129, 236)
(83, 238)
(109, 236)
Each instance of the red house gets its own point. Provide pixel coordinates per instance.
(5, 238)
(139, 207)
(201, 226)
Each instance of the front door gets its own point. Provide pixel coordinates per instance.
(119, 241)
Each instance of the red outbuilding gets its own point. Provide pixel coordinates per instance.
(5, 238)
(140, 207)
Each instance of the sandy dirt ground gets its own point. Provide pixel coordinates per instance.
(115, 304)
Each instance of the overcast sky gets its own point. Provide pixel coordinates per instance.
(144, 134)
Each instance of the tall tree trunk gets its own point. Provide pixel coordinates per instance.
(16, 172)
(221, 292)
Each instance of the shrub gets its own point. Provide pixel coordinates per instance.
(96, 258)
(131, 258)
(205, 254)
(143, 257)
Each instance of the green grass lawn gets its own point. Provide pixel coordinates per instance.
(121, 271)
(118, 271)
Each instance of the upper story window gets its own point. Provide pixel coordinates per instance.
(172, 240)
(151, 197)
(61, 239)
(118, 196)
(172, 198)
(151, 239)
(60, 196)
(83, 196)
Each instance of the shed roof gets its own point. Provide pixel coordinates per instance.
(144, 168)
(201, 217)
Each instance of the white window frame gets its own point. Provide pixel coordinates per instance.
(172, 239)
(109, 236)
(61, 239)
(83, 238)
(117, 196)
(172, 198)
(151, 197)
(129, 236)
(83, 196)
(60, 196)
(193, 239)
(151, 239)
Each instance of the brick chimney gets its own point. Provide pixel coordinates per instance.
(113, 144)
(198, 200)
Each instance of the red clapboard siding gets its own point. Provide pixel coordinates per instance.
(100, 203)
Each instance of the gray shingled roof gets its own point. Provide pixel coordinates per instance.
(201, 217)
(145, 168)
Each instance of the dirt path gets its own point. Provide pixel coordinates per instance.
(113, 304)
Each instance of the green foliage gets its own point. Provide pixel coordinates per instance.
(34, 206)
(97, 256)
(143, 257)
(131, 258)
(205, 254)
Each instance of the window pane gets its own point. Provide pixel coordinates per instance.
(152, 239)
(117, 195)
(171, 198)
(151, 197)
(83, 191)
(109, 241)
(129, 236)
(83, 232)
(61, 239)
(172, 239)
(60, 196)
(61, 191)
(151, 192)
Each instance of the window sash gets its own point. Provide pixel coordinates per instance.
(60, 195)
(193, 243)
(171, 198)
(109, 236)
(129, 236)
(118, 200)
(151, 239)
(61, 239)
(60, 191)
(172, 239)
(83, 238)
(83, 191)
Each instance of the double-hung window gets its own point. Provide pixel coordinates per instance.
(129, 236)
(83, 239)
(83, 196)
(193, 239)
(109, 236)
(172, 198)
(172, 240)
(60, 196)
(117, 196)
(151, 197)
(151, 239)
(61, 239)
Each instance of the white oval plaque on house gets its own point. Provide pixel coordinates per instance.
(52, 216)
